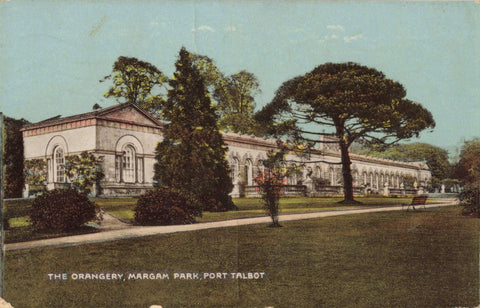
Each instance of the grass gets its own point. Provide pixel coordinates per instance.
(120, 207)
(392, 259)
(123, 208)
(252, 207)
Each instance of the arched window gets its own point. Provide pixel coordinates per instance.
(248, 172)
(235, 170)
(128, 165)
(58, 165)
(331, 176)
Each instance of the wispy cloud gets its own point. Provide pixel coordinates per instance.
(349, 39)
(203, 28)
(336, 28)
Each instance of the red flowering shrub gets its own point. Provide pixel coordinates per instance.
(270, 185)
(61, 210)
(166, 207)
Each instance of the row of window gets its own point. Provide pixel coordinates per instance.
(333, 175)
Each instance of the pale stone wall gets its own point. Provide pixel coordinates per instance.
(110, 141)
(105, 142)
(371, 175)
(76, 140)
(110, 137)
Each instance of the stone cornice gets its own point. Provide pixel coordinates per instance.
(68, 124)
(236, 139)
(99, 117)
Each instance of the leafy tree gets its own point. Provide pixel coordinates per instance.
(435, 157)
(270, 183)
(234, 95)
(470, 200)
(209, 71)
(357, 102)
(83, 171)
(468, 167)
(13, 157)
(36, 175)
(192, 154)
(138, 82)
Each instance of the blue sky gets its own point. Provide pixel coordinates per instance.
(53, 53)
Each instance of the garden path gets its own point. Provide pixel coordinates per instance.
(131, 232)
(110, 222)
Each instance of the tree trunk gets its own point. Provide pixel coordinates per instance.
(346, 167)
(347, 172)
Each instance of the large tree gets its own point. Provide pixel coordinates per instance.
(137, 82)
(436, 158)
(468, 167)
(192, 156)
(234, 95)
(14, 173)
(358, 103)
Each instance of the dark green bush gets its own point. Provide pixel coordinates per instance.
(165, 207)
(470, 200)
(61, 210)
(219, 204)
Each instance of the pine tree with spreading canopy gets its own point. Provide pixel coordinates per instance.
(358, 103)
(192, 156)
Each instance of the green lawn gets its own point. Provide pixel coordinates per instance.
(251, 207)
(120, 207)
(427, 258)
(123, 208)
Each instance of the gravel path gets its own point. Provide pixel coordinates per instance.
(113, 229)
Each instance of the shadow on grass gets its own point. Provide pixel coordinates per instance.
(29, 233)
(350, 202)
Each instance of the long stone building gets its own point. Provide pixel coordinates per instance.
(124, 138)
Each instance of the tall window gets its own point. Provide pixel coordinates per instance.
(235, 170)
(140, 171)
(128, 165)
(248, 172)
(59, 165)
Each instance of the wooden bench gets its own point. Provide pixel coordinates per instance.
(417, 200)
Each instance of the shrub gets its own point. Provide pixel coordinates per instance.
(61, 210)
(84, 171)
(270, 184)
(166, 207)
(219, 204)
(470, 200)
